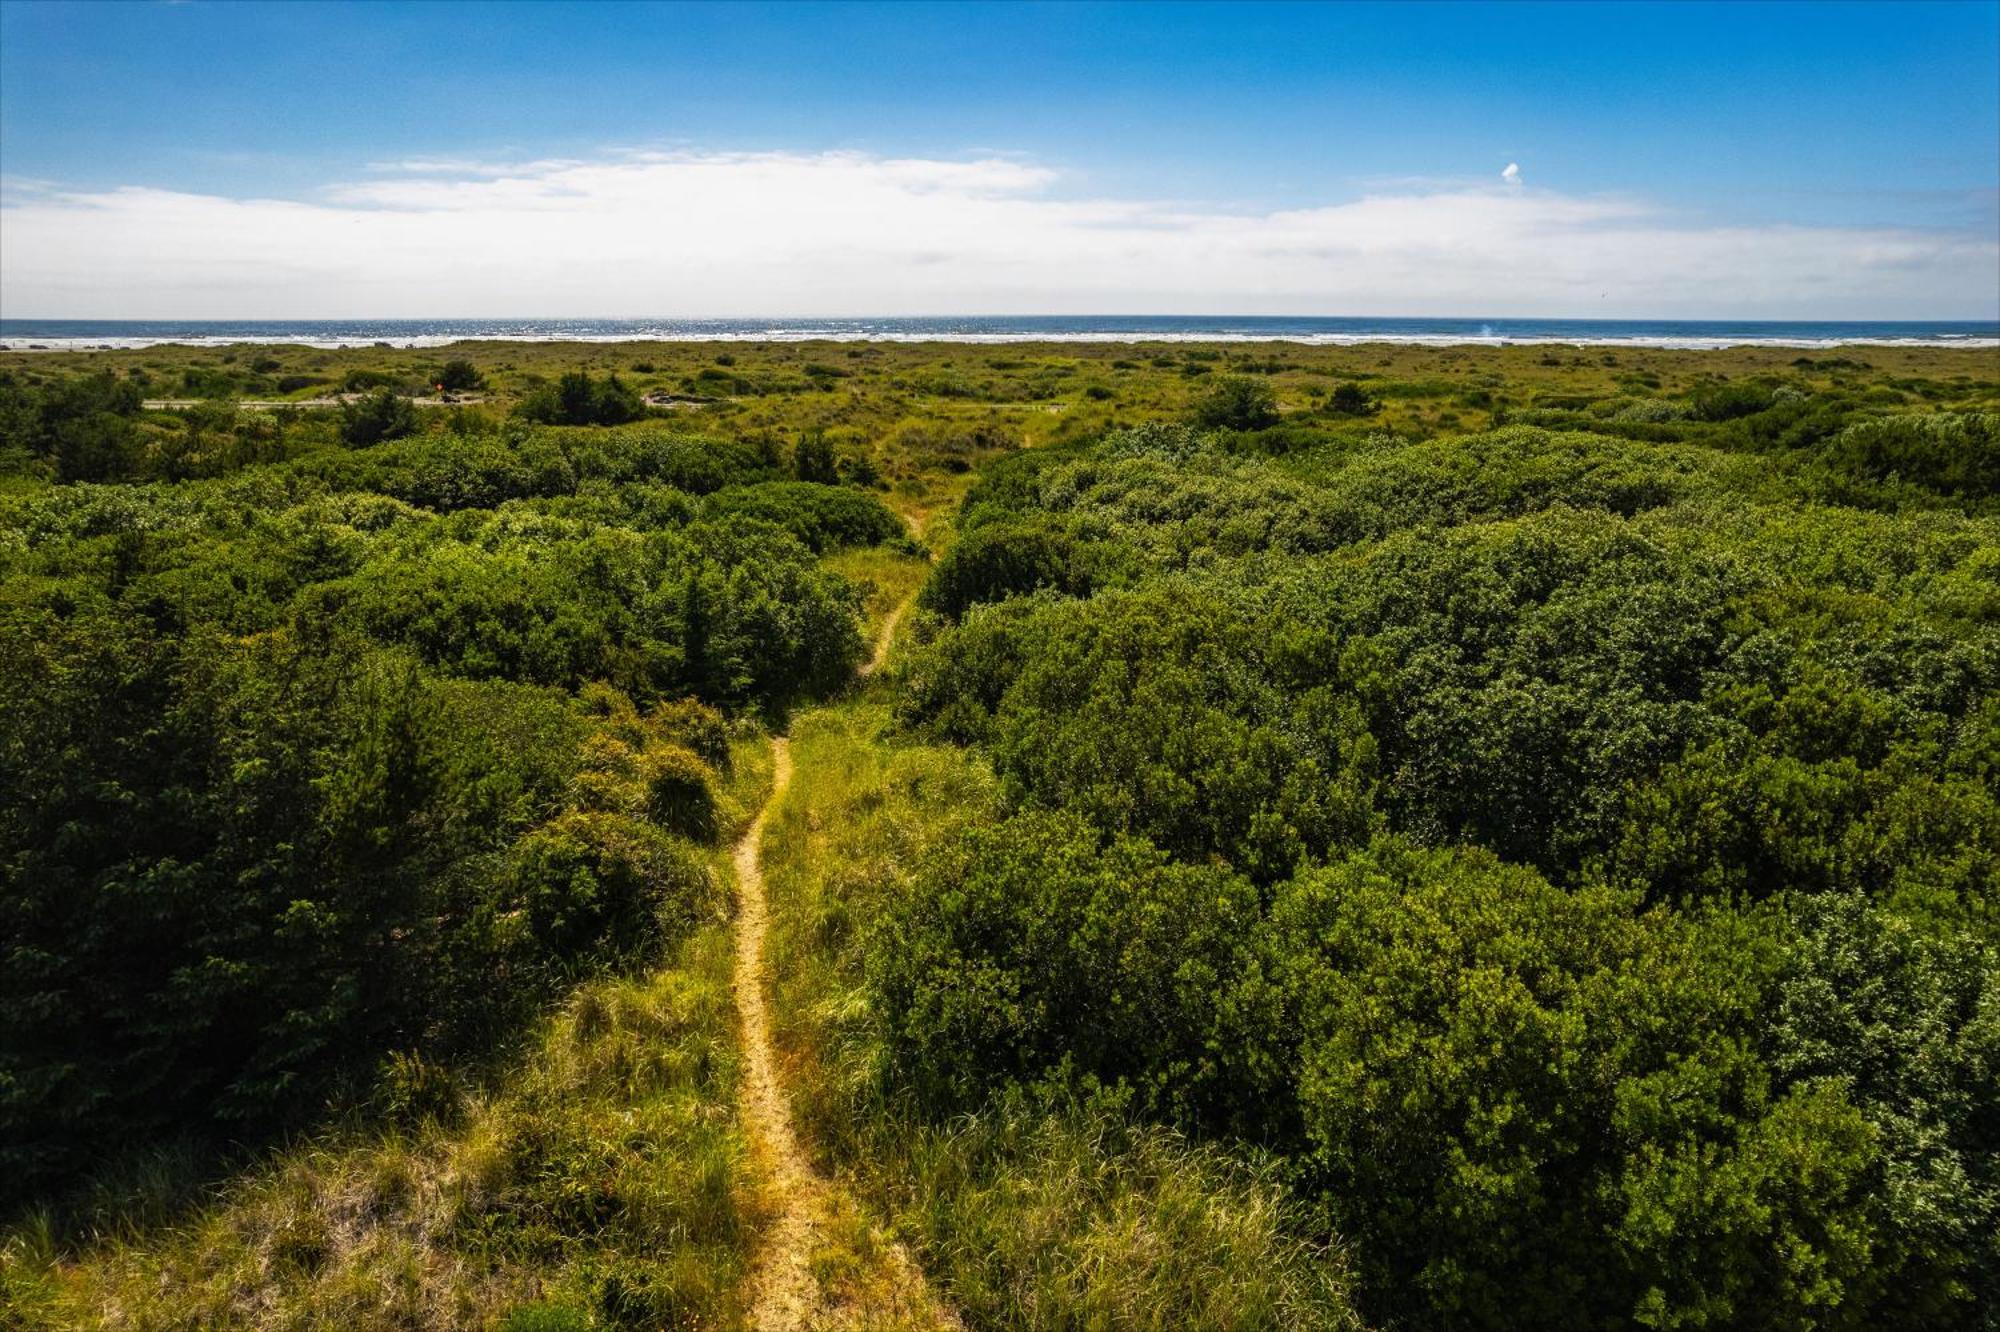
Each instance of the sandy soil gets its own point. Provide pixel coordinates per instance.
(784, 1293)
(880, 657)
(304, 404)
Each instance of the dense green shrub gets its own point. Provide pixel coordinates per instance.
(680, 793)
(1585, 851)
(1237, 403)
(1955, 453)
(1534, 1107)
(999, 560)
(218, 845)
(82, 426)
(812, 459)
(696, 726)
(459, 376)
(591, 882)
(366, 751)
(1026, 946)
(577, 399)
(362, 381)
(824, 517)
(1349, 399)
(1147, 712)
(447, 472)
(692, 463)
(1725, 402)
(734, 610)
(382, 415)
(1907, 1020)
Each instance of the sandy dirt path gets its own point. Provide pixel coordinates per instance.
(784, 1292)
(880, 657)
(887, 634)
(290, 404)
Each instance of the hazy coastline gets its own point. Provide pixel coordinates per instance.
(1686, 335)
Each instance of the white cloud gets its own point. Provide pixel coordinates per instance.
(1512, 173)
(686, 234)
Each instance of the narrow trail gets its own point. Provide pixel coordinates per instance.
(887, 634)
(880, 657)
(784, 1294)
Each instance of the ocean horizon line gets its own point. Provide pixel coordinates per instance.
(411, 332)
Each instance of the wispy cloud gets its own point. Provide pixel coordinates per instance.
(690, 233)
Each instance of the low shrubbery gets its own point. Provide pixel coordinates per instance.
(1237, 403)
(1503, 831)
(381, 415)
(824, 517)
(578, 399)
(1537, 876)
(376, 749)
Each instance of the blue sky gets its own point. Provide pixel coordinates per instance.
(1735, 126)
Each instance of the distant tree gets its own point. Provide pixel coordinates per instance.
(860, 470)
(84, 425)
(459, 376)
(1236, 403)
(615, 402)
(1726, 402)
(812, 459)
(207, 381)
(377, 417)
(360, 381)
(1350, 400)
(577, 399)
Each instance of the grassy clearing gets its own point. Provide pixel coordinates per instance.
(1025, 1215)
(599, 1180)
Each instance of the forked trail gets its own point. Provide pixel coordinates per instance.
(784, 1292)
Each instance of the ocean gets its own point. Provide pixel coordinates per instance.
(76, 334)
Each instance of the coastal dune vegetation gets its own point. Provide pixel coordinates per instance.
(1371, 836)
